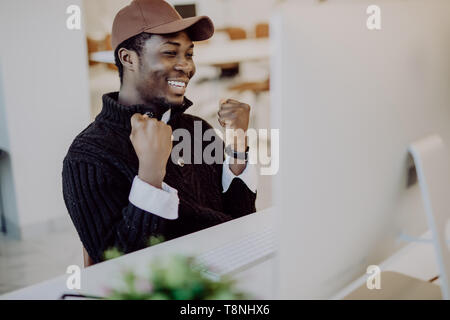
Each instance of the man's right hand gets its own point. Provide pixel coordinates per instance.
(152, 142)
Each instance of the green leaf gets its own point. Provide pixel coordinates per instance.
(112, 253)
(175, 278)
(155, 240)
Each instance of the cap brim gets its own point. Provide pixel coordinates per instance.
(198, 28)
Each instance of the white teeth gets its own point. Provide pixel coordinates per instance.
(177, 84)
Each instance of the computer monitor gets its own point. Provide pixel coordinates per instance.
(186, 10)
(348, 101)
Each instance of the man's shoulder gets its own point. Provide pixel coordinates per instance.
(92, 144)
(87, 135)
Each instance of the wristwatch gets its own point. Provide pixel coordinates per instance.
(235, 154)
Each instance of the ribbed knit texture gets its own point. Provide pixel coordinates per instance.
(97, 175)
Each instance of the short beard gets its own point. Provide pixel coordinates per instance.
(164, 104)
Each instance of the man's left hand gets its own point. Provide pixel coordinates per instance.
(234, 115)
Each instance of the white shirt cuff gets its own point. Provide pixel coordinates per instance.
(249, 176)
(163, 203)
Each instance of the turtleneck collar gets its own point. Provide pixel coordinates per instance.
(120, 114)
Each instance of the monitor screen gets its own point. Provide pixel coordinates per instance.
(347, 116)
(186, 10)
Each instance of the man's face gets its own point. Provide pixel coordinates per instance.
(165, 68)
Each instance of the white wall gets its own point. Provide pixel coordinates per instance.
(45, 103)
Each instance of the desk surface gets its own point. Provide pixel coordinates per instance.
(95, 279)
(214, 53)
(416, 260)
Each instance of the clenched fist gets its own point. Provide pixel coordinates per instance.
(234, 115)
(152, 141)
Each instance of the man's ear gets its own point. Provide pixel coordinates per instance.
(128, 58)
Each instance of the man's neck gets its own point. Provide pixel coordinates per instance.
(129, 96)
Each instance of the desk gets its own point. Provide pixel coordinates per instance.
(96, 278)
(416, 260)
(214, 53)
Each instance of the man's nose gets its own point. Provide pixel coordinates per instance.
(184, 65)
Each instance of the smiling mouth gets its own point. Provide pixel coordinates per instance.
(177, 84)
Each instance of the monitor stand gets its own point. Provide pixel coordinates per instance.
(432, 162)
(432, 165)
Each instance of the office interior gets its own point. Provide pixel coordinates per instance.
(38, 240)
(38, 98)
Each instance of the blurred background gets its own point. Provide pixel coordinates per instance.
(52, 79)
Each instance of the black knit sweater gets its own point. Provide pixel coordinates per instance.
(98, 172)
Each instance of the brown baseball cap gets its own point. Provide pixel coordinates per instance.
(158, 17)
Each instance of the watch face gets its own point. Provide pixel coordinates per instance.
(236, 154)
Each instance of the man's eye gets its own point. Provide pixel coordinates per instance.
(170, 53)
(190, 55)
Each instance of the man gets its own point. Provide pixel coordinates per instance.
(119, 185)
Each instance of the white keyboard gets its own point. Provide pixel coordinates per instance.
(238, 255)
